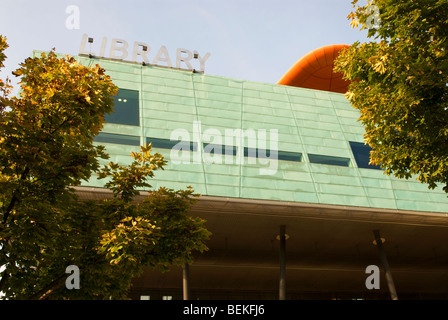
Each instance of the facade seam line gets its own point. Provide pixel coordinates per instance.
(199, 147)
(352, 156)
(304, 152)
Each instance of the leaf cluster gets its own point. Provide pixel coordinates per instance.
(399, 83)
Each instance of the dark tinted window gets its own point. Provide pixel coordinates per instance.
(335, 161)
(289, 156)
(273, 154)
(117, 139)
(260, 153)
(126, 110)
(250, 152)
(169, 144)
(361, 152)
(219, 149)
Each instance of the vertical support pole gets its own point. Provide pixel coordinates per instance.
(186, 282)
(282, 282)
(389, 280)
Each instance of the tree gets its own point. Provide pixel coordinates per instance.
(399, 85)
(47, 148)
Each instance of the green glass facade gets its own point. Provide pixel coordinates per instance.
(322, 186)
(317, 132)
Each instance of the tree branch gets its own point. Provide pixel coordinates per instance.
(49, 289)
(14, 198)
(4, 278)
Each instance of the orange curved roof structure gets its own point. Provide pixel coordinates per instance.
(315, 71)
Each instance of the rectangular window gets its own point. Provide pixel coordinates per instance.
(117, 139)
(271, 154)
(126, 108)
(330, 160)
(250, 152)
(260, 153)
(169, 144)
(219, 149)
(290, 156)
(361, 152)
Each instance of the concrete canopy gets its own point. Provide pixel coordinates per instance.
(328, 250)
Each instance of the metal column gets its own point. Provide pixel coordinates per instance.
(389, 280)
(282, 282)
(186, 282)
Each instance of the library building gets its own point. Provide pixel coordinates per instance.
(295, 208)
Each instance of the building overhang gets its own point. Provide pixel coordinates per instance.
(288, 209)
(328, 249)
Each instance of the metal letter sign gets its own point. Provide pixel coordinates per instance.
(119, 50)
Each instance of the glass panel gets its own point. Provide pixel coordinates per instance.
(225, 150)
(259, 153)
(250, 152)
(267, 154)
(273, 154)
(290, 156)
(361, 152)
(117, 139)
(126, 108)
(169, 144)
(335, 161)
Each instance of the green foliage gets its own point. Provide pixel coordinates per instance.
(4, 87)
(157, 232)
(399, 84)
(125, 179)
(46, 139)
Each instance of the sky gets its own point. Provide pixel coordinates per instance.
(255, 40)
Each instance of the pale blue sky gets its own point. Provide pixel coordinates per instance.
(255, 40)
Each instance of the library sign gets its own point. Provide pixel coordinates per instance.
(119, 50)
